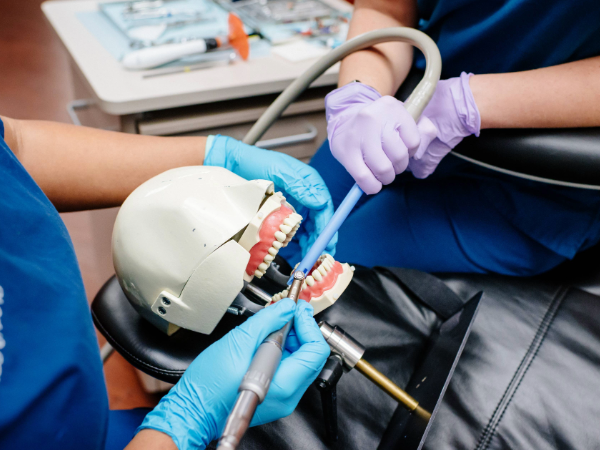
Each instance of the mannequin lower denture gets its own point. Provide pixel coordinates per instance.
(325, 283)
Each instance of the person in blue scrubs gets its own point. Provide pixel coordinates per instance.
(535, 64)
(52, 391)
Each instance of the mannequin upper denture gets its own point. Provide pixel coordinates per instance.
(186, 241)
(272, 228)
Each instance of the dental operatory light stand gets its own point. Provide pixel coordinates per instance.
(253, 388)
(255, 385)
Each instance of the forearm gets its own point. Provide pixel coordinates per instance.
(151, 440)
(85, 168)
(383, 66)
(554, 97)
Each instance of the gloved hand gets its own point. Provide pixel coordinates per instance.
(370, 135)
(450, 116)
(194, 411)
(306, 191)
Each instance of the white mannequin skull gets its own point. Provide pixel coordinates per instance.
(185, 241)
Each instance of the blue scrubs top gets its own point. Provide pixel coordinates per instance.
(52, 391)
(499, 36)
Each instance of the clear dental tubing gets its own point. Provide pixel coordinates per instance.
(256, 383)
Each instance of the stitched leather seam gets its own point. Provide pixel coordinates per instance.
(490, 430)
(129, 356)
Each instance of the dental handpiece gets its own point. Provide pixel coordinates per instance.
(256, 382)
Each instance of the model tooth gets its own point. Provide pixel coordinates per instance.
(258, 273)
(296, 216)
(270, 189)
(263, 266)
(276, 244)
(284, 294)
(303, 285)
(280, 236)
(310, 280)
(330, 258)
(352, 268)
(268, 258)
(321, 269)
(289, 222)
(285, 228)
(272, 251)
(275, 297)
(317, 275)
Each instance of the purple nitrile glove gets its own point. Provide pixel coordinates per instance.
(450, 116)
(370, 135)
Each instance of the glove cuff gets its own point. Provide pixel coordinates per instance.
(210, 140)
(216, 151)
(349, 95)
(466, 107)
(167, 418)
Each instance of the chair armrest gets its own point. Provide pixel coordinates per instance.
(562, 156)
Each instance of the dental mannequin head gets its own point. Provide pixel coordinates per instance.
(185, 241)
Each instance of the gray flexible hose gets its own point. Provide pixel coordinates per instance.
(414, 104)
(256, 382)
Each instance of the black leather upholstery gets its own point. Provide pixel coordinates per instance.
(166, 358)
(528, 376)
(565, 155)
(144, 346)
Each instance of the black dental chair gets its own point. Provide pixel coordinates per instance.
(528, 376)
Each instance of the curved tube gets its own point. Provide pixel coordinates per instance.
(415, 104)
(266, 363)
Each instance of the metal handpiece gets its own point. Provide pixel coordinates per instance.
(351, 352)
(256, 382)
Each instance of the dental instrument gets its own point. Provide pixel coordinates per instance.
(150, 57)
(226, 59)
(243, 410)
(255, 384)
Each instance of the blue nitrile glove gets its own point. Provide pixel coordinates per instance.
(306, 191)
(194, 412)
